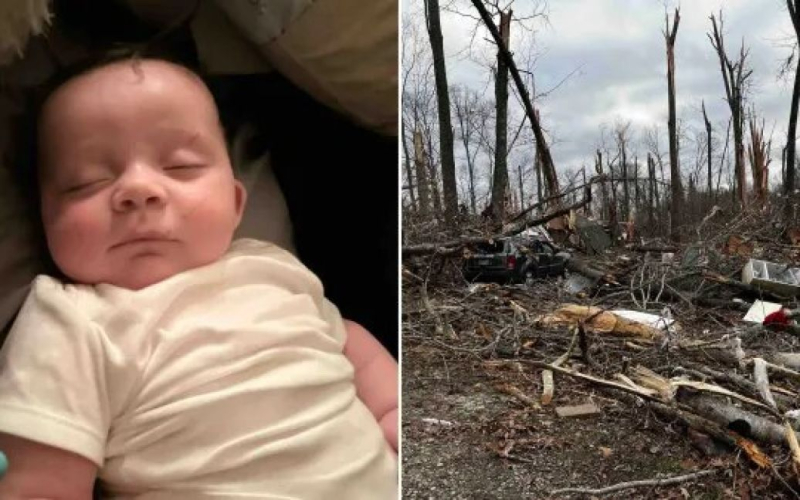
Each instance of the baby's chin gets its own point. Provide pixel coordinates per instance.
(138, 277)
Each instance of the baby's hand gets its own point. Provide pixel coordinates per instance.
(375, 377)
(70, 476)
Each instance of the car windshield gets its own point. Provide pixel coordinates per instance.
(490, 247)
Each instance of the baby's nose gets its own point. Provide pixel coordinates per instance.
(137, 194)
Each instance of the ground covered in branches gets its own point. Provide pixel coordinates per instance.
(474, 423)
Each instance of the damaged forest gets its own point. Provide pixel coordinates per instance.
(620, 320)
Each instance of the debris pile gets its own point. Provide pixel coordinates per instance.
(703, 335)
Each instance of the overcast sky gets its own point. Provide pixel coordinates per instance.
(615, 52)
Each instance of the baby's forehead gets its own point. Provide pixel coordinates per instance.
(135, 95)
(158, 75)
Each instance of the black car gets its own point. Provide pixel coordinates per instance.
(514, 260)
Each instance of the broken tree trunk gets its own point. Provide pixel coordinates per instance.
(710, 187)
(791, 135)
(454, 246)
(423, 186)
(758, 153)
(548, 167)
(675, 172)
(500, 175)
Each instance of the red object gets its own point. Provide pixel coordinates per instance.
(779, 317)
(511, 261)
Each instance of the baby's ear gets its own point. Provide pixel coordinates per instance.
(240, 199)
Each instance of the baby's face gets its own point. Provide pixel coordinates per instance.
(136, 182)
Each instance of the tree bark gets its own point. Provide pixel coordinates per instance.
(407, 165)
(791, 136)
(759, 160)
(710, 187)
(433, 177)
(445, 126)
(626, 199)
(651, 186)
(500, 178)
(423, 186)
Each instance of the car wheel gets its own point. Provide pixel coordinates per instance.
(529, 276)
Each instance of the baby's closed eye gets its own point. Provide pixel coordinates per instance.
(183, 167)
(184, 171)
(85, 185)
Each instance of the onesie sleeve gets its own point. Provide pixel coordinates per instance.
(330, 313)
(52, 375)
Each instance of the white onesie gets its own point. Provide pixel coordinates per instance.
(226, 381)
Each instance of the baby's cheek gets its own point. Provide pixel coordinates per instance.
(75, 233)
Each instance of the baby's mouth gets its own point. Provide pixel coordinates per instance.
(142, 239)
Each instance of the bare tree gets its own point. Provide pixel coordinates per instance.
(605, 209)
(500, 178)
(675, 172)
(621, 133)
(791, 136)
(420, 164)
(411, 186)
(734, 76)
(445, 127)
(433, 174)
(651, 142)
(652, 199)
(466, 107)
(549, 170)
(412, 88)
(709, 177)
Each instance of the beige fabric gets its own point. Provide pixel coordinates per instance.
(19, 20)
(262, 21)
(221, 47)
(342, 52)
(221, 382)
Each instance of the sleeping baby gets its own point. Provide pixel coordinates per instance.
(168, 360)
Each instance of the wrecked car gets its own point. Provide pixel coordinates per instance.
(514, 260)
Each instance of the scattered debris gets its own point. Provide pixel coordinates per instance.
(577, 283)
(664, 338)
(652, 320)
(594, 238)
(583, 410)
(760, 310)
(780, 279)
(651, 483)
(598, 320)
(437, 421)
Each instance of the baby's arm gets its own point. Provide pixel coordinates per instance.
(376, 377)
(41, 472)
